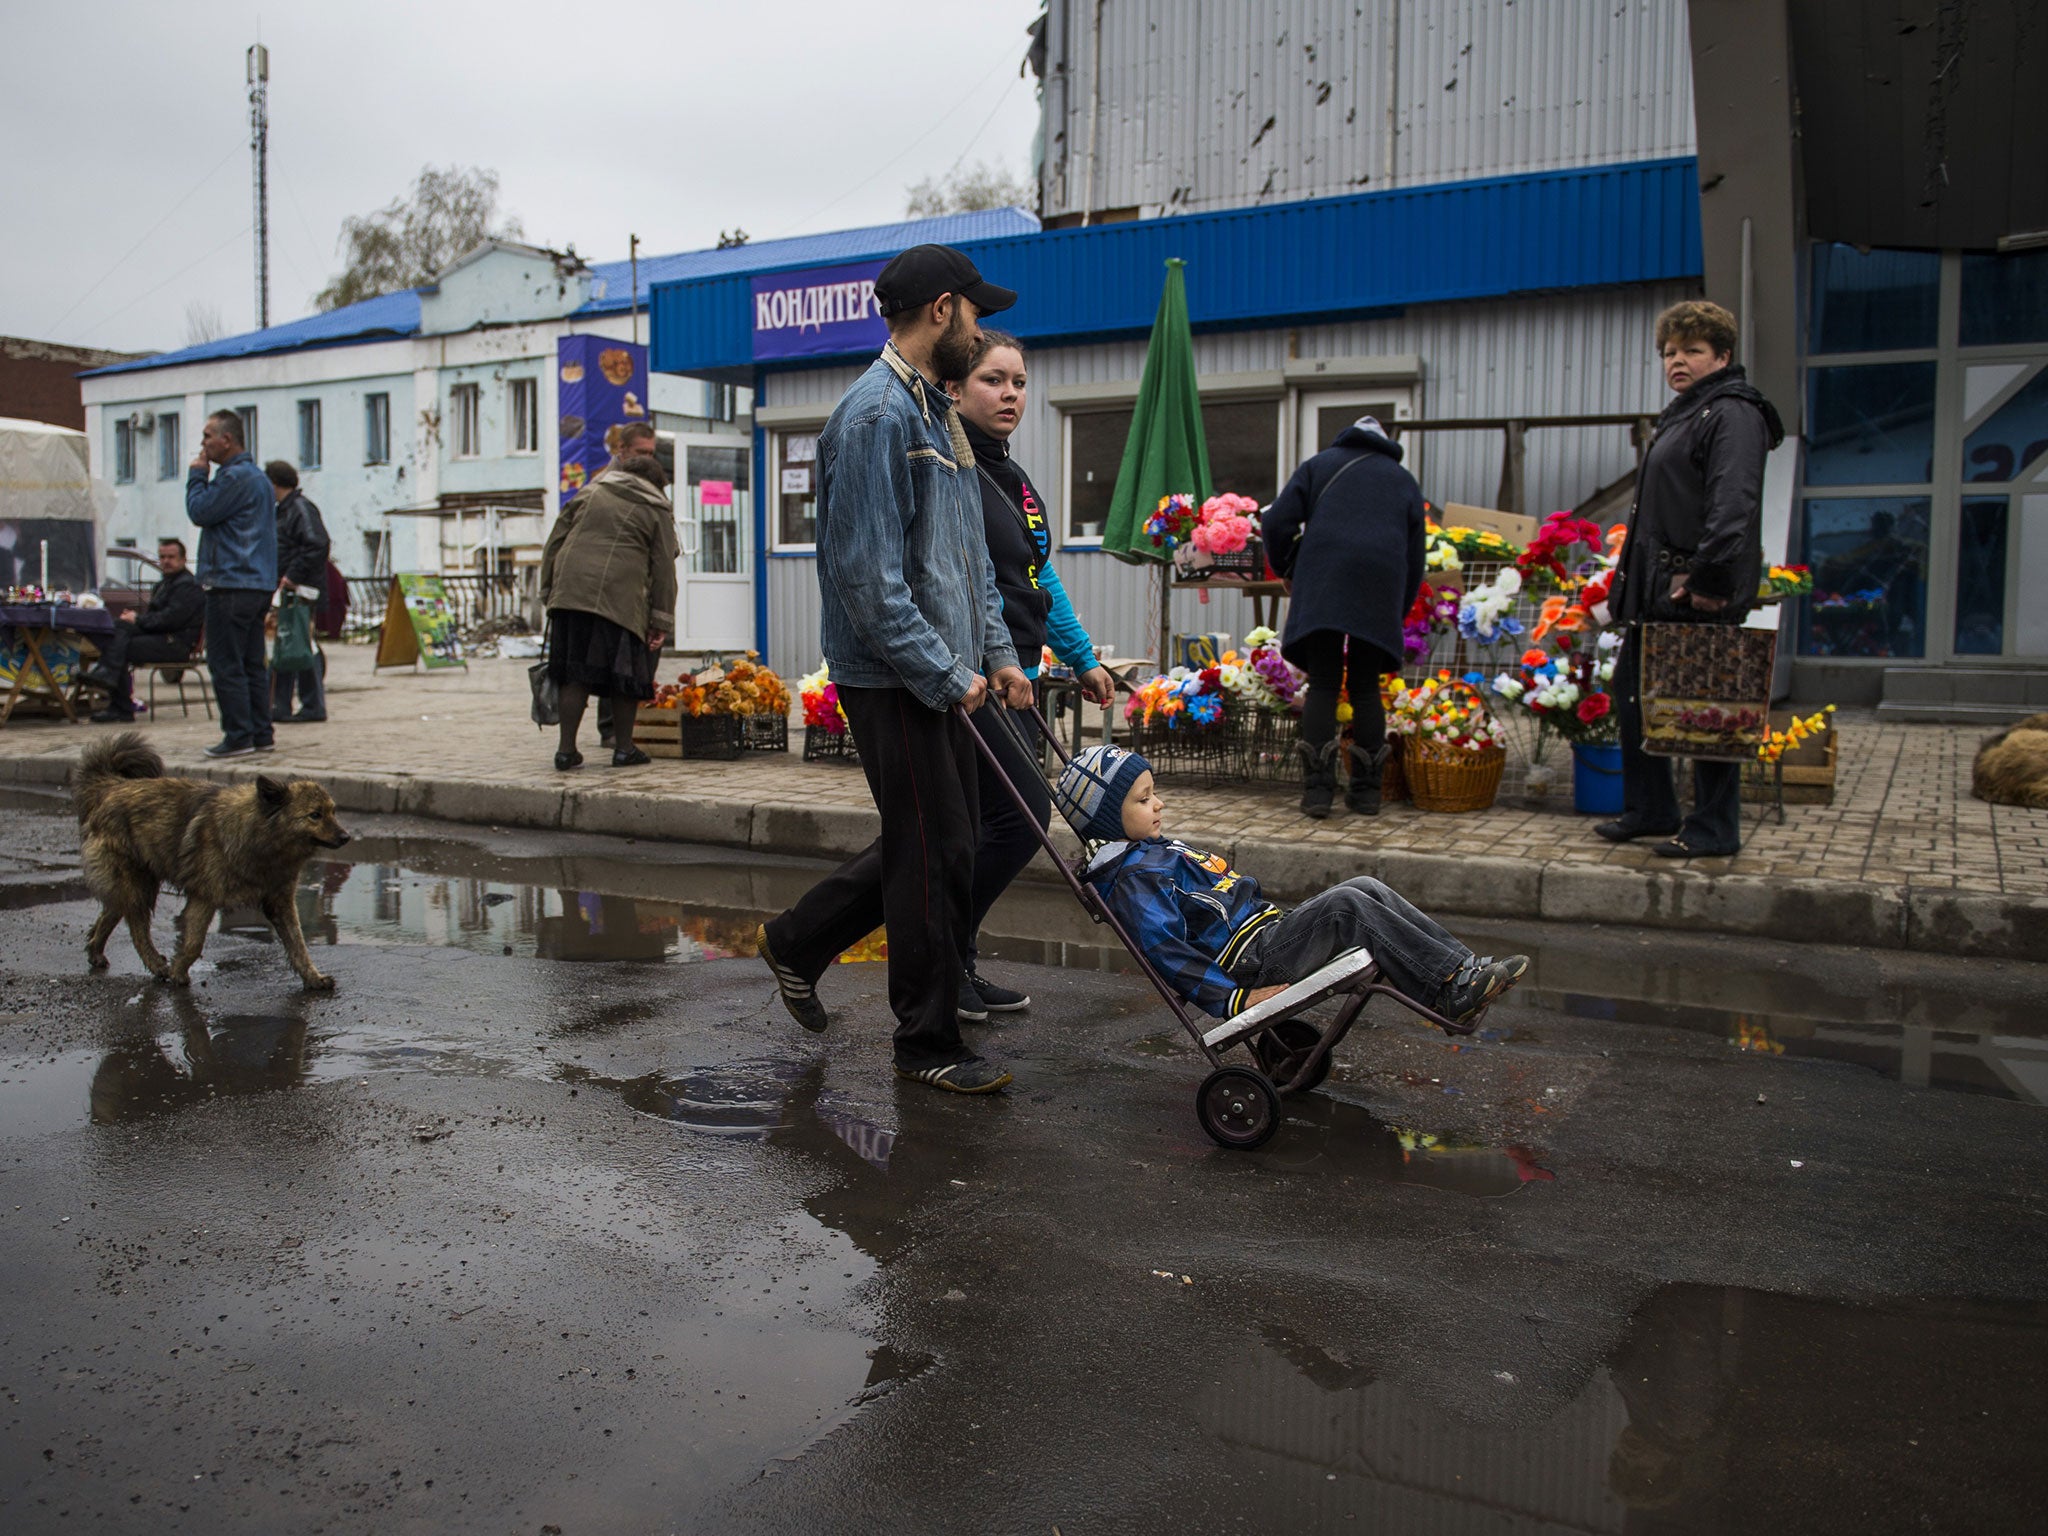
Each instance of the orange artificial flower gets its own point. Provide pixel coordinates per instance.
(1616, 537)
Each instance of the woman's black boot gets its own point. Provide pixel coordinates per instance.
(1368, 770)
(1318, 777)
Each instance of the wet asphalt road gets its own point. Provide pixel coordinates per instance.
(493, 1241)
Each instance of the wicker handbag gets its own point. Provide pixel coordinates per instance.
(1444, 778)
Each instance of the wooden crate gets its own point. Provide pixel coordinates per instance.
(658, 732)
(1809, 768)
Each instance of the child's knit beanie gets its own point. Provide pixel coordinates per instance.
(1091, 790)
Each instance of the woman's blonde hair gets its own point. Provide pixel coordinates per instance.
(1698, 320)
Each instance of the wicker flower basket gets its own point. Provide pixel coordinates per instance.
(1443, 778)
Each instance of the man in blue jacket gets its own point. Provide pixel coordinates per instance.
(912, 625)
(237, 519)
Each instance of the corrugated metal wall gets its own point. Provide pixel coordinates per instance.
(1215, 103)
(1583, 353)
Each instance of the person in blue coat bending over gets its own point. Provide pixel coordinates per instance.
(1218, 942)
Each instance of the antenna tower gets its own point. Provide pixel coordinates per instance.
(259, 150)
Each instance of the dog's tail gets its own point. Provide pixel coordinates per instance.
(105, 763)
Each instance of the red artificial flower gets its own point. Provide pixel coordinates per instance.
(1592, 707)
(1212, 676)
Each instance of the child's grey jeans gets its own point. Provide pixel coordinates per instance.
(1414, 953)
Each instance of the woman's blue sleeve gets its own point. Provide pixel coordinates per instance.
(1063, 629)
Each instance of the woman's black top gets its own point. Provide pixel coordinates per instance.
(1013, 516)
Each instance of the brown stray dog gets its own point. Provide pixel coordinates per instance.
(222, 845)
(2012, 767)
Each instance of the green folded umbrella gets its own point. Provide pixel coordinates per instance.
(1166, 453)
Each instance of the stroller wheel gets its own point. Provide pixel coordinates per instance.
(1283, 1048)
(1238, 1108)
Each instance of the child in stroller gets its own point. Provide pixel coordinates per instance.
(1220, 944)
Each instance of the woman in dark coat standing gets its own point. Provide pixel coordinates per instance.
(1347, 534)
(1694, 555)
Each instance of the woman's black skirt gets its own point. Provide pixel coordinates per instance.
(589, 649)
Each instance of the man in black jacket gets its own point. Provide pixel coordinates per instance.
(1694, 555)
(167, 629)
(302, 546)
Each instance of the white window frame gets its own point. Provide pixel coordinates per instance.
(170, 450)
(785, 422)
(523, 419)
(309, 415)
(465, 421)
(377, 424)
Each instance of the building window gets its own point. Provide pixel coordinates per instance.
(376, 429)
(2005, 299)
(526, 416)
(1243, 438)
(124, 451)
(1873, 301)
(796, 489)
(248, 415)
(309, 434)
(1869, 560)
(464, 407)
(1871, 424)
(170, 454)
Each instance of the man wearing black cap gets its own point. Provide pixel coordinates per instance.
(912, 624)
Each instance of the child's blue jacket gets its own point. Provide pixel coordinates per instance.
(1189, 911)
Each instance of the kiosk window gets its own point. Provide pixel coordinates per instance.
(796, 489)
(1243, 439)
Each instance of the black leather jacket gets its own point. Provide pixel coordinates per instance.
(301, 542)
(1699, 504)
(177, 609)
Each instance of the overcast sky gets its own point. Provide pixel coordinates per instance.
(127, 185)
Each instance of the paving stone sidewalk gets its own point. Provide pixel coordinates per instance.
(1904, 857)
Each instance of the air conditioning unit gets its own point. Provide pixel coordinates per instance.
(142, 421)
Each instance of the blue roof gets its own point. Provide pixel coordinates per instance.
(1324, 258)
(804, 251)
(378, 319)
(398, 314)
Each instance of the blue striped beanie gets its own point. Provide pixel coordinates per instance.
(1091, 791)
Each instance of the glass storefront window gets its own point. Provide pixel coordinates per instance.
(796, 487)
(1873, 301)
(1242, 436)
(2005, 299)
(1980, 577)
(1871, 424)
(1869, 561)
(1095, 449)
(2014, 437)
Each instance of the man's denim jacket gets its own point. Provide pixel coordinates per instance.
(237, 516)
(909, 592)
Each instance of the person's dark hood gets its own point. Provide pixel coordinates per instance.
(1733, 382)
(988, 448)
(1356, 436)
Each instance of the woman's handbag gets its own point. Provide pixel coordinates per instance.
(1706, 689)
(294, 649)
(547, 694)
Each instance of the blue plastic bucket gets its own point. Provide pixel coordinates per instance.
(1596, 779)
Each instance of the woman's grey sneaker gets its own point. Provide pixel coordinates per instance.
(799, 995)
(980, 997)
(970, 1076)
(1478, 983)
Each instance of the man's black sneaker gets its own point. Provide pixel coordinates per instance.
(799, 995)
(226, 749)
(993, 998)
(1478, 983)
(263, 746)
(970, 1076)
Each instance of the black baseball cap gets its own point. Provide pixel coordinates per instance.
(924, 272)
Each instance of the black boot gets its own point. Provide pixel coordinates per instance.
(1318, 777)
(1367, 770)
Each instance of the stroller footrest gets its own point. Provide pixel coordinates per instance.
(1353, 968)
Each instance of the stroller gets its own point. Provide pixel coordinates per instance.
(1238, 1105)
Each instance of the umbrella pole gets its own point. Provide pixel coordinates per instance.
(1165, 611)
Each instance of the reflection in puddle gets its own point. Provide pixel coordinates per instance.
(1721, 1409)
(747, 1101)
(235, 1054)
(1326, 1137)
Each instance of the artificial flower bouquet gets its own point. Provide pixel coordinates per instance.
(1486, 616)
(1223, 539)
(1452, 747)
(1564, 552)
(1452, 548)
(1172, 521)
(1777, 743)
(1434, 612)
(745, 688)
(825, 732)
(1565, 692)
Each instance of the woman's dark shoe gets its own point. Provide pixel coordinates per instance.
(632, 757)
(564, 761)
(1628, 830)
(1368, 771)
(1318, 777)
(1679, 848)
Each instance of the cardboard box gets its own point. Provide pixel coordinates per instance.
(1508, 525)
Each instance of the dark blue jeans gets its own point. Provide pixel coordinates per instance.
(234, 656)
(1414, 952)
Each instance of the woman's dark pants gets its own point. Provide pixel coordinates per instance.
(1008, 837)
(1649, 792)
(913, 880)
(1341, 663)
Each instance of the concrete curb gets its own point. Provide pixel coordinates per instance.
(1881, 916)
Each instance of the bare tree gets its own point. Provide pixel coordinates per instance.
(967, 189)
(403, 244)
(203, 322)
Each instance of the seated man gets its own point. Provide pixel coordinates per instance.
(166, 630)
(1221, 945)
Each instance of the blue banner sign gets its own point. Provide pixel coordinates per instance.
(822, 312)
(601, 383)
